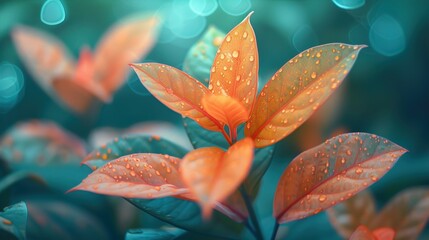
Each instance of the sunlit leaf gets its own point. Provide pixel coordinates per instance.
(407, 214)
(132, 144)
(297, 90)
(225, 109)
(153, 234)
(54, 219)
(40, 143)
(143, 175)
(212, 174)
(331, 173)
(126, 42)
(350, 214)
(362, 233)
(199, 59)
(235, 67)
(13, 219)
(178, 91)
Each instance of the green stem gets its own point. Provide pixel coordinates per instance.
(249, 227)
(252, 213)
(275, 229)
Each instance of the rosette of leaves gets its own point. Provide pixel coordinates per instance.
(233, 130)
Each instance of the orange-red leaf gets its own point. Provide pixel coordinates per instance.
(235, 67)
(384, 234)
(225, 109)
(331, 173)
(362, 233)
(349, 215)
(126, 42)
(142, 175)
(407, 214)
(178, 91)
(297, 90)
(212, 174)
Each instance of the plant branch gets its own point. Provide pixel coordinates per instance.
(275, 230)
(252, 213)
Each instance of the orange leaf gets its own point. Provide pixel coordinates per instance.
(384, 234)
(297, 89)
(212, 174)
(126, 42)
(178, 91)
(235, 67)
(349, 215)
(362, 233)
(225, 109)
(331, 173)
(406, 214)
(142, 175)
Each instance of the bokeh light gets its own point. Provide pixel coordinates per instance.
(203, 7)
(386, 36)
(349, 4)
(235, 8)
(183, 22)
(11, 86)
(52, 12)
(304, 38)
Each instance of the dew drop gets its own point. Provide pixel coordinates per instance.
(251, 58)
(245, 35)
(313, 75)
(52, 12)
(348, 152)
(359, 171)
(235, 54)
(228, 38)
(132, 173)
(322, 198)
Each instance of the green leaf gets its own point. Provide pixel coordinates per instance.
(261, 162)
(199, 59)
(185, 215)
(153, 234)
(40, 143)
(13, 219)
(53, 219)
(14, 177)
(132, 144)
(201, 137)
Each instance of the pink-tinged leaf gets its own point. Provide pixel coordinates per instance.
(297, 90)
(126, 42)
(141, 175)
(350, 214)
(235, 67)
(178, 91)
(225, 109)
(212, 174)
(407, 214)
(362, 233)
(384, 234)
(332, 172)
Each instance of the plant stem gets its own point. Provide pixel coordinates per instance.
(275, 229)
(226, 136)
(252, 213)
(249, 227)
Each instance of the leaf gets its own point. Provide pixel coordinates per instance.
(384, 234)
(178, 91)
(212, 174)
(143, 175)
(201, 137)
(235, 68)
(331, 173)
(362, 233)
(15, 177)
(40, 143)
(14, 220)
(297, 90)
(153, 234)
(132, 144)
(225, 109)
(54, 219)
(127, 41)
(407, 213)
(199, 59)
(350, 214)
